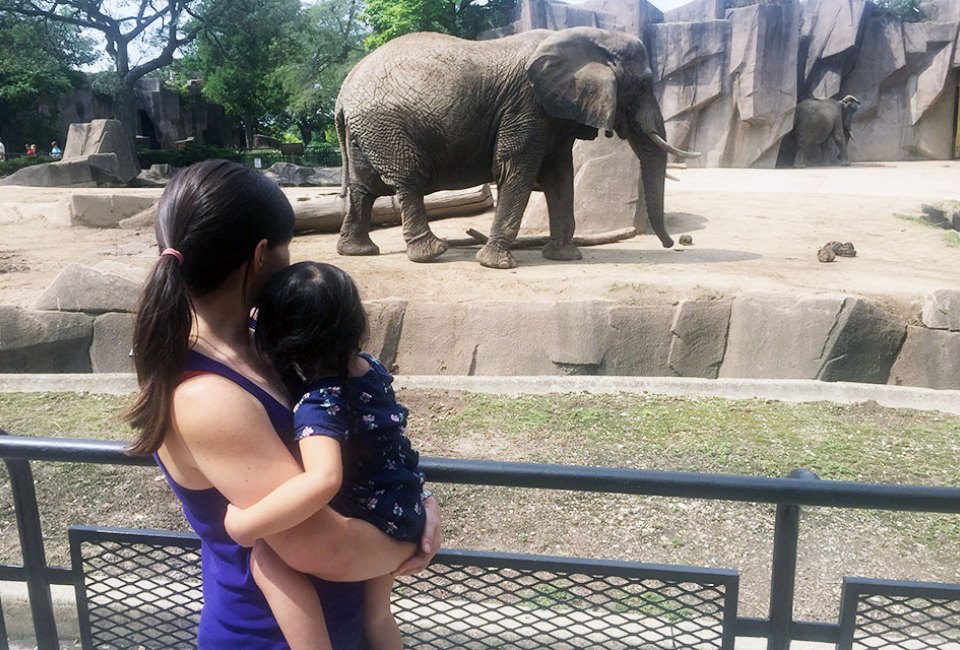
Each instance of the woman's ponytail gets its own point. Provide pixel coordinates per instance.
(160, 341)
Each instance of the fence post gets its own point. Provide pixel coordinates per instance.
(34, 557)
(784, 570)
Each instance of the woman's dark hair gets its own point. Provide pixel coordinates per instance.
(214, 214)
(310, 322)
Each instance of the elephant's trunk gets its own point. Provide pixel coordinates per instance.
(653, 171)
(644, 133)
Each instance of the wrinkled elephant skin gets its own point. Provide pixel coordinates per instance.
(428, 112)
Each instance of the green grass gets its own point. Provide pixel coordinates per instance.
(863, 442)
(950, 237)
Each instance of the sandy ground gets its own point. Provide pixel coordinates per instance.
(752, 230)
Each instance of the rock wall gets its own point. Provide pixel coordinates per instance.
(729, 79)
(83, 322)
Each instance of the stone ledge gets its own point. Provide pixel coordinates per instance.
(783, 390)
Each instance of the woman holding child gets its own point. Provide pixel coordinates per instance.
(217, 416)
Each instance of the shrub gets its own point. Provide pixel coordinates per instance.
(11, 165)
(188, 155)
(907, 10)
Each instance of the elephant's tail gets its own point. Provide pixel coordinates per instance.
(342, 140)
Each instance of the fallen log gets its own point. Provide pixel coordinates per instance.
(478, 239)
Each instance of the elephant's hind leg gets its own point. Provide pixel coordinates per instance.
(355, 230)
(422, 244)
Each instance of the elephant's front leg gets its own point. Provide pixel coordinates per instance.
(556, 179)
(355, 229)
(841, 141)
(422, 244)
(513, 193)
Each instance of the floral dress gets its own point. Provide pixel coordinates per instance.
(382, 482)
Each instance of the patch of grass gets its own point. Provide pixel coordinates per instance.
(863, 442)
(950, 237)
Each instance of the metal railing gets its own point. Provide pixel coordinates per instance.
(802, 488)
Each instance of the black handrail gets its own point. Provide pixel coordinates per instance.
(717, 487)
(788, 493)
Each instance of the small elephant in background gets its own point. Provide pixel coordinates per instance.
(818, 121)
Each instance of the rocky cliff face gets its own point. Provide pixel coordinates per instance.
(730, 78)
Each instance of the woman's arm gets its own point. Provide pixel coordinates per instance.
(224, 434)
(296, 499)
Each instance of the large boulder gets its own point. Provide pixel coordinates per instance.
(941, 310)
(385, 323)
(32, 341)
(103, 137)
(98, 210)
(929, 358)
(699, 338)
(94, 170)
(833, 338)
(604, 197)
(86, 289)
(504, 338)
(639, 341)
(112, 343)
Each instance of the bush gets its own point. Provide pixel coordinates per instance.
(906, 10)
(190, 154)
(11, 165)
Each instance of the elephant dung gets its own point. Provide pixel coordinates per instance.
(826, 254)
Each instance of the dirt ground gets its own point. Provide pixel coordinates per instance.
(752, 230)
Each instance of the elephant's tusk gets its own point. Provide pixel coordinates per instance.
(671, 177)
(669, 148)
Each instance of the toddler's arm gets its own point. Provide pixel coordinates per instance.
(294, 501)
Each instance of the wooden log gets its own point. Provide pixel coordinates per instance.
(324, 213)
(596, 239)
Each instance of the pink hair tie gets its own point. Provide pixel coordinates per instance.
(173, 252)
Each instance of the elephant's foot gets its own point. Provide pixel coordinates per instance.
(357, 245)
(426, 248)
(565, 252)
(844, 163)
(495, 258)
(799, 164)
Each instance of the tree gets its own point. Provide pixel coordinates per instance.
(240, 53)
(463, 18)
(36, 69)
(330, 43)
(161, 23)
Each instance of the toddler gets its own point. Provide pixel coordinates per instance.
(350, 433)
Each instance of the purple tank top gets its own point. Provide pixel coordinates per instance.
(235, 613)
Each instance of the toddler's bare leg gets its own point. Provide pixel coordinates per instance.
(379, 624)
(292, 599)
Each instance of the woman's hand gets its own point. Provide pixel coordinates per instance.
(233, 522)
(429, 543)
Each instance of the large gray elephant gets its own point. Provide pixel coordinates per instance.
(818, 121)
(427, 112)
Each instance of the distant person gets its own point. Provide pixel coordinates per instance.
(3, 152)
(31, 151)
(55, 151)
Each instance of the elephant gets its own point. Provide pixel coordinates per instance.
(820, 120)
(428, 112)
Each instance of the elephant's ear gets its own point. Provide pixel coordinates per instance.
(573, 79)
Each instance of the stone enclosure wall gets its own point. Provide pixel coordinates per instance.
(729, 79)
(83, 322)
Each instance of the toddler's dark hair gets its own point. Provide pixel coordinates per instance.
(310, 321)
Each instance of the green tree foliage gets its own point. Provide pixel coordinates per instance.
(907, 10)
(36, 69)
(126, 26)
(330, 43)
(464, 18)
(242, 48)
